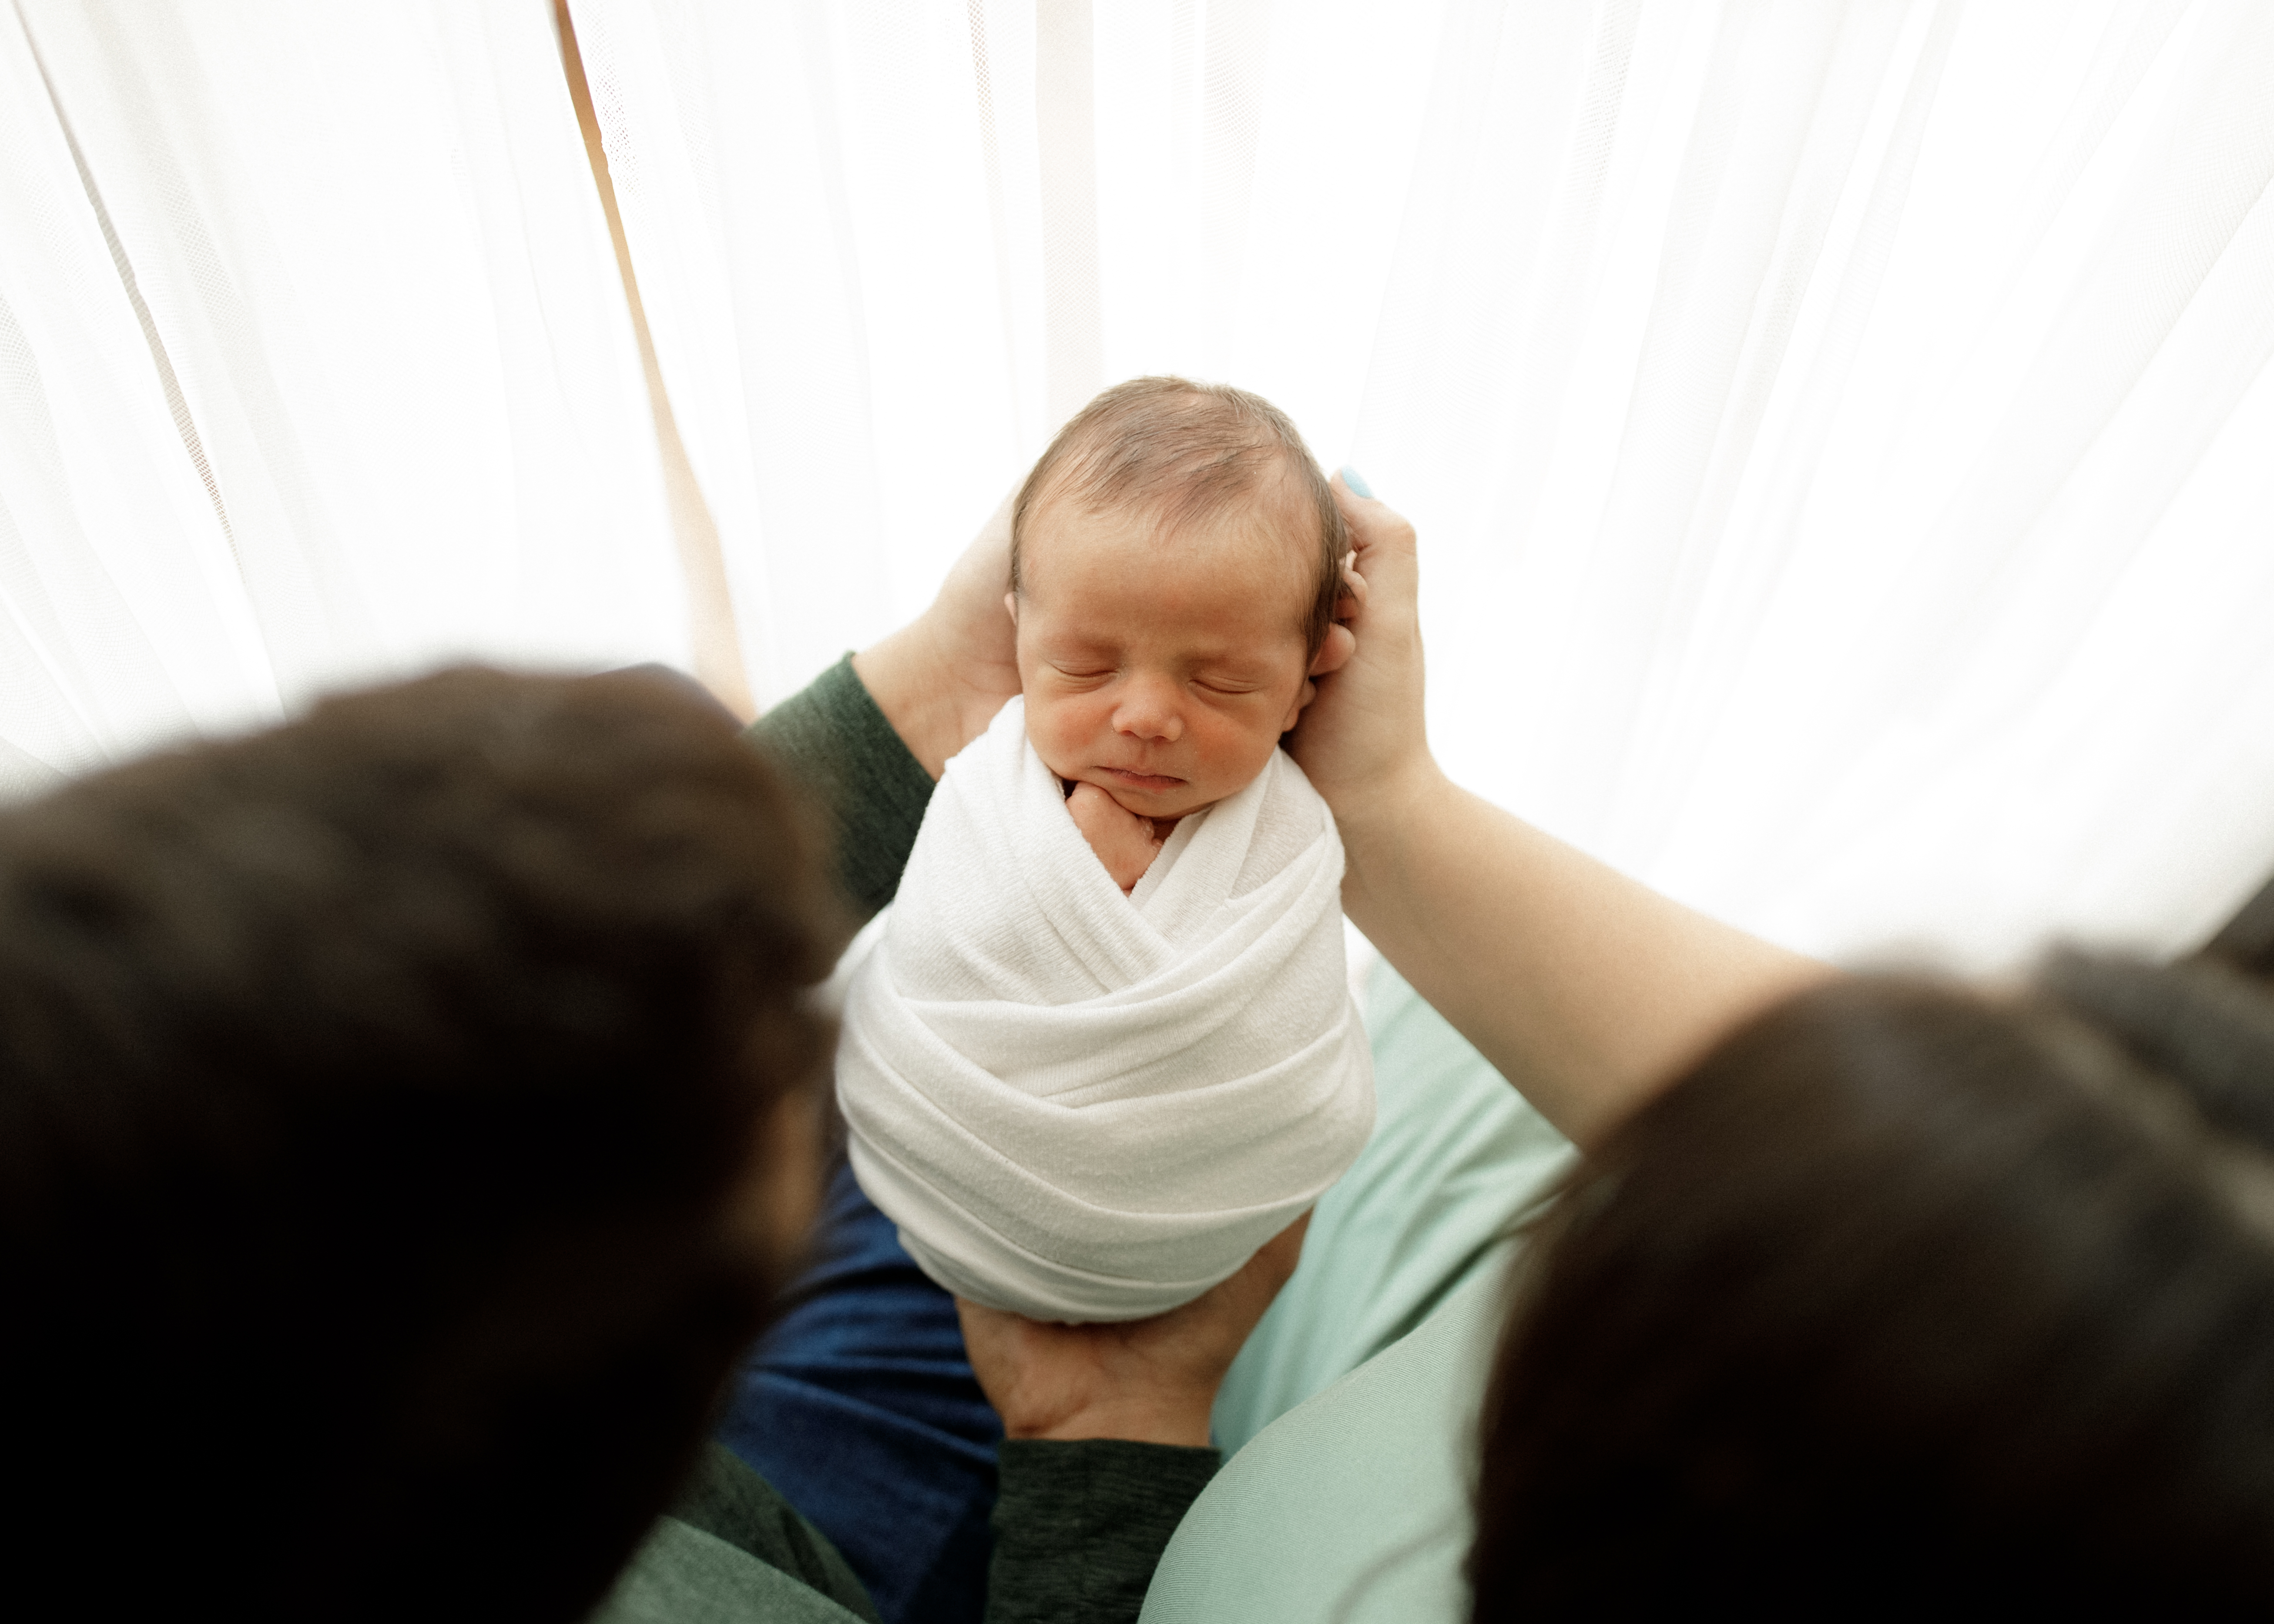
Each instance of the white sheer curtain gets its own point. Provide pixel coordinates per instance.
(1837, 431)
(314, 367)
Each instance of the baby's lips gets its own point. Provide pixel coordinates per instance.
(1160, 781)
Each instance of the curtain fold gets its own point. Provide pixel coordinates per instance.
(1830, 425)
(106, 641)
(1836, 427)
(371, 400)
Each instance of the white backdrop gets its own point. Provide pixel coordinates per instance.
(1836, 430)
(370, 400)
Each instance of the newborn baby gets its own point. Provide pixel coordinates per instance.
(1104, 1049)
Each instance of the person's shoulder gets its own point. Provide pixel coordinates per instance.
(733, 1549)
(683, 1574)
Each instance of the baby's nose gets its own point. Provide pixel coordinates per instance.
(1147, 711)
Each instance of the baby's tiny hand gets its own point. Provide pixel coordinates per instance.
(1124, 842)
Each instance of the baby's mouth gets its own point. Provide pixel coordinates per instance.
(1149, 781)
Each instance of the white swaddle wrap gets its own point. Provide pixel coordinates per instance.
(1079, 1105)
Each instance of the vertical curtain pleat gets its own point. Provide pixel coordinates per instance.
(1826, 421)
(1066, 125)
(367, 264)
(1836, 427)
(809, 218)
(123, 615)
(1952, 752)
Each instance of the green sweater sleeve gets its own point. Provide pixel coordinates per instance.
(731, 1551)
(1079, 1527)
(831, 739)
(729, 1501)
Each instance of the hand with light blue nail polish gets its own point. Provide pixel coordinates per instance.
(1355, 483)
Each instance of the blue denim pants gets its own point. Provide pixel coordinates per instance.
(859, 1407)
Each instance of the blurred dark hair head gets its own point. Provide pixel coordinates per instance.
(1909, 1299)
(2247, 941)
(380, 1101)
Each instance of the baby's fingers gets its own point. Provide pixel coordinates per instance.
(1123, 841)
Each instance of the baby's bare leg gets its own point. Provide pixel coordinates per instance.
(1124, 842)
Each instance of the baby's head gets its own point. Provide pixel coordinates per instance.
(1175, 559)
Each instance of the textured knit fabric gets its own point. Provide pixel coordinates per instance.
(683, 1575)
(831, 739)
(729, 1501)
(1078, 1527)
(1080, 1105)
(730, 1550)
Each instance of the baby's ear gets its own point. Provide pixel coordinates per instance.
(1335, 652)
(1011, 602)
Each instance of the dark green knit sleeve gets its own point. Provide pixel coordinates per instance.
(1079, 1527)
(731, 1551)
(729, 1501)
(831, 738)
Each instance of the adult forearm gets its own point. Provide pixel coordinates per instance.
(833, 740)
(912, 681)
(1587, 989)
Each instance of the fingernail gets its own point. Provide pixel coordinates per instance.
(1357, 483)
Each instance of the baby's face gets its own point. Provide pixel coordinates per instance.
(1162, 670)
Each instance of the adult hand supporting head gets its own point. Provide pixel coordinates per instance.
(940, 678)
(1362, 741)
(1585, 989)
(1144, 1380)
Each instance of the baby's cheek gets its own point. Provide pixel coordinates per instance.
(1054, 735)
(1239, 749)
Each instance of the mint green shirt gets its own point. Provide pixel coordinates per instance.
(1353, 1408)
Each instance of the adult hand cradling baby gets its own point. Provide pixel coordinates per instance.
(1152, 1380)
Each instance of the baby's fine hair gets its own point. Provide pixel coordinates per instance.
(1186, 453)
